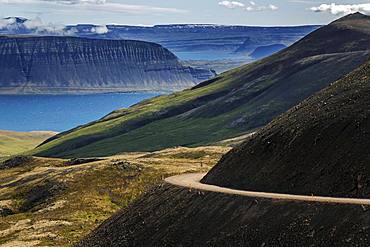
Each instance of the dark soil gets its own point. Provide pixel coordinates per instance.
(15, 162)
(41, 194)
(320, 147)
(172, 216)
(5, 212)
(80, 161)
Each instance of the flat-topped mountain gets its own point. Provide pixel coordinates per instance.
(56, 64)
(229, 105)
(319, 147)
(264, 51)
(187, 41)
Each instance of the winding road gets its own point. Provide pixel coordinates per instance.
(192, 181)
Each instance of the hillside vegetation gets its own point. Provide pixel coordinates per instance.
(233, 103)
(16, 142)
(55, 202)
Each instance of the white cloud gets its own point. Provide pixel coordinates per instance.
(4, 23)
(33, 25)
(100, 5)
(253, 6)
(38, 26)
(231, 4)
(100, 29)
(262, 8)
(342, 9)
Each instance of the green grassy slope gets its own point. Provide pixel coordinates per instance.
(16, 142)
(235, 102)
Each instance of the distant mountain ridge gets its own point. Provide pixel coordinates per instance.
(187, 41)
(58, 64)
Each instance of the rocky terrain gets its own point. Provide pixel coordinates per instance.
(56, 64)
(173, 216)
(234, 103)
(319, 147)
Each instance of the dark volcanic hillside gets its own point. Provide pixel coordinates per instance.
(320, 147)
(172, 216)
(231, 104)
(67, 64)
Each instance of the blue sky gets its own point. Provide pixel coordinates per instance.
(149, 12)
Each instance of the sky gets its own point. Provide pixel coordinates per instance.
(151, 12)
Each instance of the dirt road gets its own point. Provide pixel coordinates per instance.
(191, 181)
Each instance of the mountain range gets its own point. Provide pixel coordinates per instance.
(61, 64)
(187, 41)
(232, 104)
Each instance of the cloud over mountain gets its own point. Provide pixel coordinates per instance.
(35, 25)
(100, 29)
(342, 9)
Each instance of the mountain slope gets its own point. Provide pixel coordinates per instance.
(67, 64)
(319, 147)
(173, 216)
(233, 103)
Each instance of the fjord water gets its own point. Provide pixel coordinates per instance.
(60, 112)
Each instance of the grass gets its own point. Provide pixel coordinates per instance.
(86, 194)
(17, 142)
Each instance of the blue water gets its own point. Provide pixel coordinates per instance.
(208, 56)
(60, 112)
